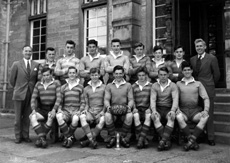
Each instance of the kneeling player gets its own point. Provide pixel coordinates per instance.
(118, 102)
(46, 95)
(94, 108)
(73, 103)
(164, 103)
(142, 112)
(189, 92)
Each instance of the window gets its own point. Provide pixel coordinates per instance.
(38, 28)
(95, 26)
(159, 26)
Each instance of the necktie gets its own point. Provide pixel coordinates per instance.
(198, 64)
(28, 67)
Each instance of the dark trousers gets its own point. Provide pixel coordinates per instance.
(22, 121)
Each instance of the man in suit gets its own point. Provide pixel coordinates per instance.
(206, 70)
(23, 78)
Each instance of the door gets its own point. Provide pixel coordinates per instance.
(202, 19)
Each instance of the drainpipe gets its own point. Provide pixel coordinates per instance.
(6, 54)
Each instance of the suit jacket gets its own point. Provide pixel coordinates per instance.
(209, 72)
(21, 81)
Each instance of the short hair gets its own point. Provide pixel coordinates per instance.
(72, 67)
(45, 69)
(199, 40)
(71, 42)
(116, 40)
(165, 69)
(92, 42)
(118, 67)
(157, 48)
(185, 64)
(27, 46)
(139, 44)
(94, 70)
(178, 47)
(143, 69)
(50, 49)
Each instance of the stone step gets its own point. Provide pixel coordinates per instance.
(223, 138)
(222, 107)
(221, 116)
(222, 97)
(223, 127)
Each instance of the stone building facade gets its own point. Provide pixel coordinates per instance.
(44, 23)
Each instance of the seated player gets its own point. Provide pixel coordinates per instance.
(164, 103)
(118, 102)
(94, 108)
(45, 100)
(73, 103)
(141, 111)
(189, 110)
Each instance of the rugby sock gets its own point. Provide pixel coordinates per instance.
(138, 129)
(167, 133)
(64, 128)
(125, 129)
(111, 129)
(87, 131)
(197, 132)
(96, 131)
(46, 128)
(160, 130)
(186, 131)
(39, 130)
(144, 131)
(71, 130)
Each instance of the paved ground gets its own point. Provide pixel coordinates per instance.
(27, 153)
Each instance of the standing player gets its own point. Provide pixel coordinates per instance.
(45, 101)
(164, 103)
(116, 57)
(94, 108)
(69, 59)
(138, 61)
(91, 60)
(189, 110)
(118, 95)
(141, 111)
(73, 103)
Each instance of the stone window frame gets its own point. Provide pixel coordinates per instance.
(86, 6)
(159, 40)
(38, 18)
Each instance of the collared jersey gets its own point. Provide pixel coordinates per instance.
(189, 94)
(49, 95)
(142, 95)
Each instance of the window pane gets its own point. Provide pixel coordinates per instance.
(35, 56)
(160, 11)
(101, 21)
(43, 22)
(43, 31)
(92, 23)
(43, 47)
(101, 12)
(101, 41)
(92, 13)
(36, 48)
(160, 22)
(43, 55)
(160, 2)
(36, 40)
(36, 32)
(36, 24)
(101, 31)
(43, 39)
(92, 32)
(35, 7)
(160, 33)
